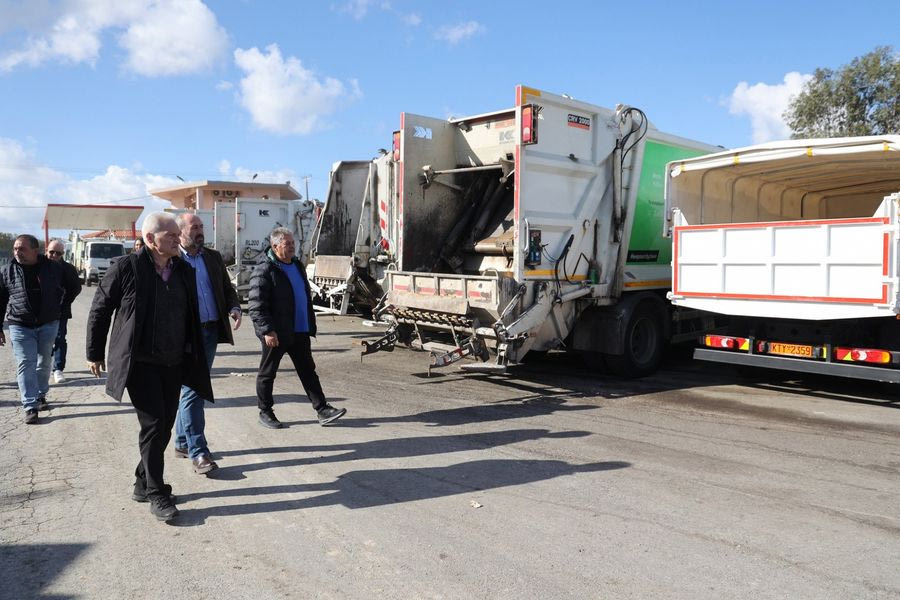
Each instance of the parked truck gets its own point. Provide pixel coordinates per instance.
(529, 229)
(92, 257)
(797, 243)
(241, 232)
(349, 257)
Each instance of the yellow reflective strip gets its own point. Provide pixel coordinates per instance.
(655, 283)
(527, 91)
(809, 151)
(745, 345)
(736, 160)
(886, 146)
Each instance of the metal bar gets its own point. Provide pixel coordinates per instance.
(854, 371)
(467, 169)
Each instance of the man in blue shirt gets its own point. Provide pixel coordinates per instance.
(284, 321)
(217, 299)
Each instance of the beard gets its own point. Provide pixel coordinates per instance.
(199, 240)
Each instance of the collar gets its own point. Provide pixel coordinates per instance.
(187, 254)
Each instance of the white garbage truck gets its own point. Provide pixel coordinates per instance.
(92, 256)
(796, 242)
(348, 256)
(528, 229)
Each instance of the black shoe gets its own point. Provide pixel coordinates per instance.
(31, 416)
(268, 419)
(140, 494)
(181, 452)
(329, 414)
(163, 509)
(204, 464)
(42, 404)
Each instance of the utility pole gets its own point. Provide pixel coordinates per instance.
(306, 179)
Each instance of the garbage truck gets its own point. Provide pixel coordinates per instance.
(529, 229)
(796, 242)
(348, 258)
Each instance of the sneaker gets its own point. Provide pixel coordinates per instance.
(329, 414)
(31, 416)
(163, 509)
(58, 377)
(268, 419)
(140, 494)
(42, 404)
(181, 452)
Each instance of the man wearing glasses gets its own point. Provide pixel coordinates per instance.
(32, 293)
(55, 250)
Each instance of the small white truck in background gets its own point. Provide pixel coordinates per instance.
(92, 256)
(797, 243)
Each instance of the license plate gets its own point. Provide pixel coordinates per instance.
(801, 350)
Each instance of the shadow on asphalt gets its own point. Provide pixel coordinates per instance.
(31, 568)
(379, 487)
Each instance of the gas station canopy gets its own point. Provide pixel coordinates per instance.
(90, 216)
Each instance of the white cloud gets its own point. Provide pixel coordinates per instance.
(174, 37)
(412, 19)
(245, 174)
(224, 86)
(356, 8)
(453, 34)
(282, 96)
(31, 186)
(160, 37)
(765, 104)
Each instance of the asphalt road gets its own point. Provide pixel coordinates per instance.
(549, 482)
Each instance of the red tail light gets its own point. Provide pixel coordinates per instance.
(396, 146)
(529, 124)
(863, 355)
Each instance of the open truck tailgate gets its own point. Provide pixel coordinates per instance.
(445, 299)
(804, 229)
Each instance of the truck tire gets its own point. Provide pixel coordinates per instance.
(643, 344)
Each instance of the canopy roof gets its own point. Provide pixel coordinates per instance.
(91, 216)
(787, 180)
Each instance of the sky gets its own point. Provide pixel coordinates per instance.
(104, 100)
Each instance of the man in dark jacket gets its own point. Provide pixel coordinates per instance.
(156, 347)
(32, 293)
(55, 251)
(217, 299)
(283, 319)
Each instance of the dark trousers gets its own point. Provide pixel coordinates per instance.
(60, 346)
(154, 392)
(298, 348)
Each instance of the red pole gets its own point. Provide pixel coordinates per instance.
(46, 234)
(133, 231)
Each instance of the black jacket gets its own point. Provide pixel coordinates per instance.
(72, 281)
(56, 292)
(225, 296)
(125, 290)
(272, 299)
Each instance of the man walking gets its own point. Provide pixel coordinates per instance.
(55, 251)
(32, 293)
(284, 321)
(155, 348)
(217, 299)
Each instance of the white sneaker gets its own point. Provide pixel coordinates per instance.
(58, 377)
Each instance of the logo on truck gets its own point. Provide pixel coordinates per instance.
(579, 121)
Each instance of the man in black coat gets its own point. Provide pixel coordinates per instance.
(155, 348)
(32, 293)
(283, 319)
(55, 251)
(217, 300)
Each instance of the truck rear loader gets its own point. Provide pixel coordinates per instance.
(529, 229)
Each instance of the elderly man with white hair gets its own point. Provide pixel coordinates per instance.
(156, 347)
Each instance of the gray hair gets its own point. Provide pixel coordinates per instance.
(181, 219)
(58, 241)
(278, 234)
(155, 222)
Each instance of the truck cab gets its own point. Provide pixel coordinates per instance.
(92, 258)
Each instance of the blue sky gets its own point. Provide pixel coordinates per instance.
(103, 100)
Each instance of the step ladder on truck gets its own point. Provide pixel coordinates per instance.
(530, 229)
(796, 243)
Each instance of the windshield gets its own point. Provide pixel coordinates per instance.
(106, 250)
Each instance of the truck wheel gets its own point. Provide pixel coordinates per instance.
(643, 344)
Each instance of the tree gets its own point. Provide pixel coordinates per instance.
(861, 98)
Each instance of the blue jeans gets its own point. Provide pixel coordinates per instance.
(60, 346)
(191, 422)
(31, 348)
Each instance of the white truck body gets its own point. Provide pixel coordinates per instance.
(92, 257)
(348, 257)
(561, 227)
(802, 231)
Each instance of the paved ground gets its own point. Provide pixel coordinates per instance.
(550, 483)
